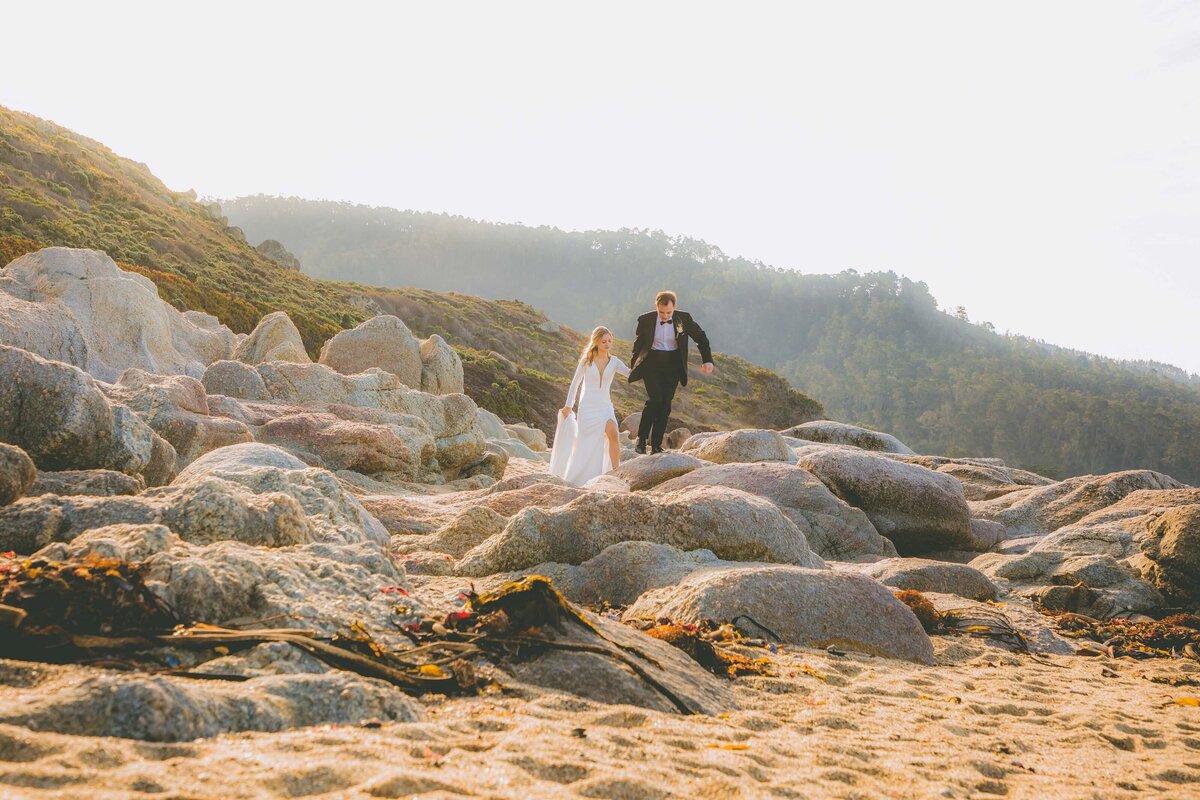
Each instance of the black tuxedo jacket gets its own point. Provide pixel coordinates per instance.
(685, 329)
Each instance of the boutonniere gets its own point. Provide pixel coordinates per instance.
(678, 328)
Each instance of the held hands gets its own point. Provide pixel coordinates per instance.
(707, 368)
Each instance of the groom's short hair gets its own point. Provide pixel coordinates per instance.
(664, 298)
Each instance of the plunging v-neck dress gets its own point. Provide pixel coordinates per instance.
(580, 451)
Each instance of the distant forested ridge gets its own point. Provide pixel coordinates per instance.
(873, 347)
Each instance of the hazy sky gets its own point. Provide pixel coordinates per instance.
(1038, 163)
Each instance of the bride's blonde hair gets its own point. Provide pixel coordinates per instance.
(589, 352)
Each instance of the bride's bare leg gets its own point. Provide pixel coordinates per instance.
(614, 446)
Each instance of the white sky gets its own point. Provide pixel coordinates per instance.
(1036, 162)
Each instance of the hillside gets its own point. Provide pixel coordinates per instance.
(60, 188)
(873, 346)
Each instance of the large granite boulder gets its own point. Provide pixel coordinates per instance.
(982, 479)
(920, 510)
(734, 525)
(533, 438)
(830, 432)
(176, 408)
(17, 473)
(57, 414)
(1039, 510)
(1172, 547)
(357, 445)
(924, 575)
(234, 379)
(274, 338)
(441, 368)
(648, 471)
(373, 397)
(384, 342)
(79, 307)
(815, 608)
(86, 482)
(317, 585)
(159, 708)
(833, 528)
(741, 446)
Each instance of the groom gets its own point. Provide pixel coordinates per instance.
(660, 357)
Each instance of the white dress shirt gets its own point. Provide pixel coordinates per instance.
(664, 335)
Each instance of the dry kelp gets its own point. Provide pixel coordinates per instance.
(984, 620)
(1136, 639)
(101, 611)
(700, 642)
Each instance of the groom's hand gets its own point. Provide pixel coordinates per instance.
(707, 368)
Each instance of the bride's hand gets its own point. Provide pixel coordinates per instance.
(565, 411)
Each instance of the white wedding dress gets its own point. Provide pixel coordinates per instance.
(580, 450)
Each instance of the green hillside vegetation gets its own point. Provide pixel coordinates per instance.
(60, 188)
(873, 346)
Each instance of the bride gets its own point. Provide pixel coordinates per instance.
(587, 445)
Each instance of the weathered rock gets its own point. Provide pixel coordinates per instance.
(176, 408)
(741, 446)
(87, 482)
(275, 251)
(379, 398)
(645, 472)
(441, 368)
(918, 509)
(334, 514)
(274, 338)
(316, 585)
(384, 342)
(17, 473)
(985, 482)
(1041, 509)
(533, 438)
(346, 444)
(235, 379)
(1172, 546)
(816, 608)
(923, 575)
(57, 414)
(162, 709)
(828, 431)
(734, 525)
(88, 312)
(676, 438)
(631, 423)
(622, 572)
(833, 528)
(492, 465)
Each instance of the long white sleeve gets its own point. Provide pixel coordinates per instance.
(621, 367)
(575, 384)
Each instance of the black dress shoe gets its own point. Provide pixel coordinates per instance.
(656, 450)
(640, 447)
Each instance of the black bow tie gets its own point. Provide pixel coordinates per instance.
(664, 322)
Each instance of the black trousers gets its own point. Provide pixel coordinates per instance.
(660, 373)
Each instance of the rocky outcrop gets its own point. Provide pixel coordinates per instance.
(648, 471)
(17, 473)
(1172, 548)
(830, 432)
(441, 368)
(176, 408)
(741, 446)
(441, 435)
(274, 338)
(920, 510)
(924, 575)
(86, 482)
(234, 379)
(163, 709)
(57, 414)
(816, 608)
(833, 528)
(1039, 510)
(384, 342)
(79, 307)
(734, 525)
(275, 251)
(533, 438)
